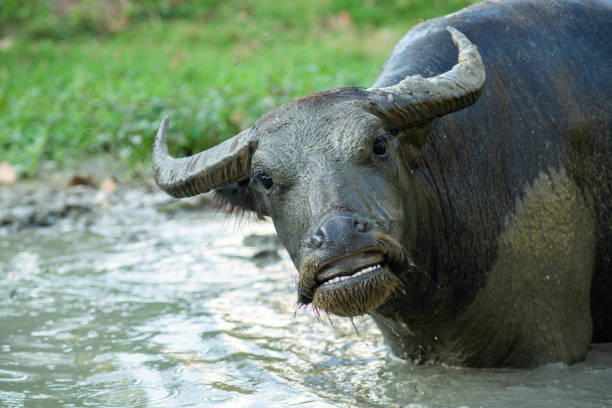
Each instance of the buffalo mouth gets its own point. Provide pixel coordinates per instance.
(354, 284)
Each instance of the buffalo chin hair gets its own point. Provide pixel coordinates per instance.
(357, 299)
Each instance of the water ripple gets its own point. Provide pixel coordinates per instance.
(7, 376)
(135, 396)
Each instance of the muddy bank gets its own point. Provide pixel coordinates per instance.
(82, 198)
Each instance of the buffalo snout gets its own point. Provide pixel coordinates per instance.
(338, 234)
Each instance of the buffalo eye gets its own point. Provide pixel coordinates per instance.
(380, 146)
(265, 180)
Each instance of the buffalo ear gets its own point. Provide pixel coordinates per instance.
(412, 141)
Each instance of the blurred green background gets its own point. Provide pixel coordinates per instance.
(83, 78)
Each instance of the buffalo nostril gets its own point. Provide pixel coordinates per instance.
(315, 241)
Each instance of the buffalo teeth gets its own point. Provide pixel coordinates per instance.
(360, 272)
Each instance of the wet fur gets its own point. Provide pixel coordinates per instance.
(358, 299)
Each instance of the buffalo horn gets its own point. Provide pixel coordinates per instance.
(219, 166)
(416, 100)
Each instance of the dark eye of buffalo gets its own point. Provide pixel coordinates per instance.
(266, 180)
(380, 146)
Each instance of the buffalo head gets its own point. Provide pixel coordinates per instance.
(333, 170)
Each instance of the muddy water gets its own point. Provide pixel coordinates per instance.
(131, 307)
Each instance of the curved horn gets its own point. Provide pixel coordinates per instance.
(416, 100)
(216, 167)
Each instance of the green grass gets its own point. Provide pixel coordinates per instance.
(86, 91)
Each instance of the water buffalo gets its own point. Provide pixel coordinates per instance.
(466, 206)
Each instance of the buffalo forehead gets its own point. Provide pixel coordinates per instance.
(303, 133)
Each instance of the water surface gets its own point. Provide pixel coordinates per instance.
(133, 307)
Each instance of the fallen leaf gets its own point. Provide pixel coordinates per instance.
(78, 180)
(108, 185)
(8, 175)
